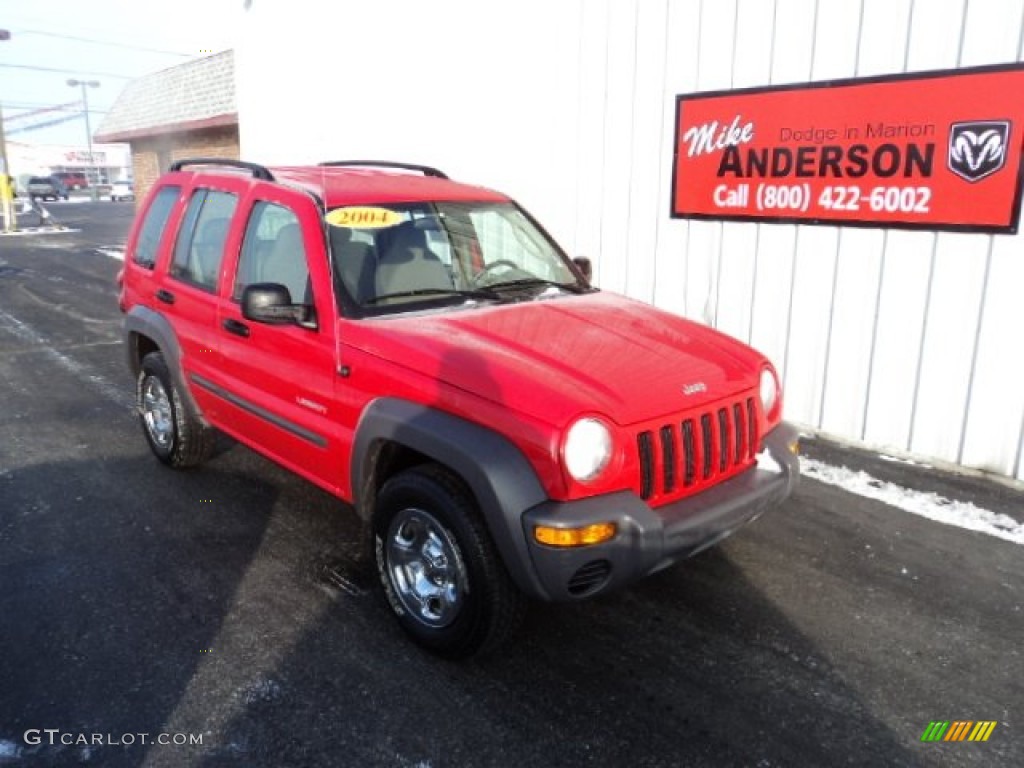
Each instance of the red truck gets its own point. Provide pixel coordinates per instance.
(73, 179)
(423, 349)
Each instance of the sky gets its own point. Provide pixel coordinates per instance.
(118, 40)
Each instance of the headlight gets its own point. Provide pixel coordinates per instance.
(588, 449)
(769, 391)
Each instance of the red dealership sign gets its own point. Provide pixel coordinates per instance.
(932, 150)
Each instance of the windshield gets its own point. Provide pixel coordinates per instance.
(390, 256)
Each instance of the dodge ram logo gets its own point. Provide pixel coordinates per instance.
(978, 149)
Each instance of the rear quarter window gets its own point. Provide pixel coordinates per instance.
(153, 225)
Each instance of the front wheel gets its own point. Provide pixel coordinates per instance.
(441, 573)
(175, 435)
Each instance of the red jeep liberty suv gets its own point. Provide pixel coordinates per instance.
(424, 350)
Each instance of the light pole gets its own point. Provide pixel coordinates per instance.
(10, 220)
(83, 84)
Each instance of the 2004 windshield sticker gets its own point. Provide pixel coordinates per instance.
(363, 217)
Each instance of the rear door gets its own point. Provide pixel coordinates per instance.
(278, 380)
(187, 289)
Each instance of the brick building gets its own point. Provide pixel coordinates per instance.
(184, 111)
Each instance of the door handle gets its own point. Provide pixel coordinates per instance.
(235, 327)
(165, 296)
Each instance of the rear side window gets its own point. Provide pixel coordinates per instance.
(152, 229)
(199, 249)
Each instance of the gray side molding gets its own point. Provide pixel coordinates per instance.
(497, 473)
(145, 322)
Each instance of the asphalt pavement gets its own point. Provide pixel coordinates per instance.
(139, 604)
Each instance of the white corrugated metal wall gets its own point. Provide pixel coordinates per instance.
(907, 340)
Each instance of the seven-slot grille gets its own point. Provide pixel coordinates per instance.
(678, 457)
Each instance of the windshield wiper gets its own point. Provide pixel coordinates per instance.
(480, 293)
(532, 282)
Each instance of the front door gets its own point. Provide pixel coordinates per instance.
(277, 381)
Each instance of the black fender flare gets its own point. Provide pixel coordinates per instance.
(143, 321)
(496, 471)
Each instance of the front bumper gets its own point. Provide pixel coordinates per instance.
(651, 539)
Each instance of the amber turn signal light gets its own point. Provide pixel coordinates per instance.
(574, 537)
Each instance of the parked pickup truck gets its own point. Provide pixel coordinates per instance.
(47, 188)
(423, 349)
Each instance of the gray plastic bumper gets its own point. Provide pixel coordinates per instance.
(651, 539)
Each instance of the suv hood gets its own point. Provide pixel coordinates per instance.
(555, 359)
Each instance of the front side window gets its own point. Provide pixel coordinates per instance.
(199, 249)
(389, 257)
(153, 225)
(272, 252)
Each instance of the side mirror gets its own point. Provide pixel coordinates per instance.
(270, 303)
(583, 264)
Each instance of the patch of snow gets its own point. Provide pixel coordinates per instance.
(47, 230)
(113, 253)
(767, 463)
(930, 505)
(899, 460)
(74, 200)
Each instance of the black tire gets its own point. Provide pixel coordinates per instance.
(487, 607)
(175, 435)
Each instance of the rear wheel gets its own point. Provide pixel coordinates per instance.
(176, 436)
(441, 573)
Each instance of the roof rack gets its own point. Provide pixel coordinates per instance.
(426, 170)
(258, 171)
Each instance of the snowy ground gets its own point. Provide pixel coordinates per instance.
(45, 230)
(929, 505)
(113, 252)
